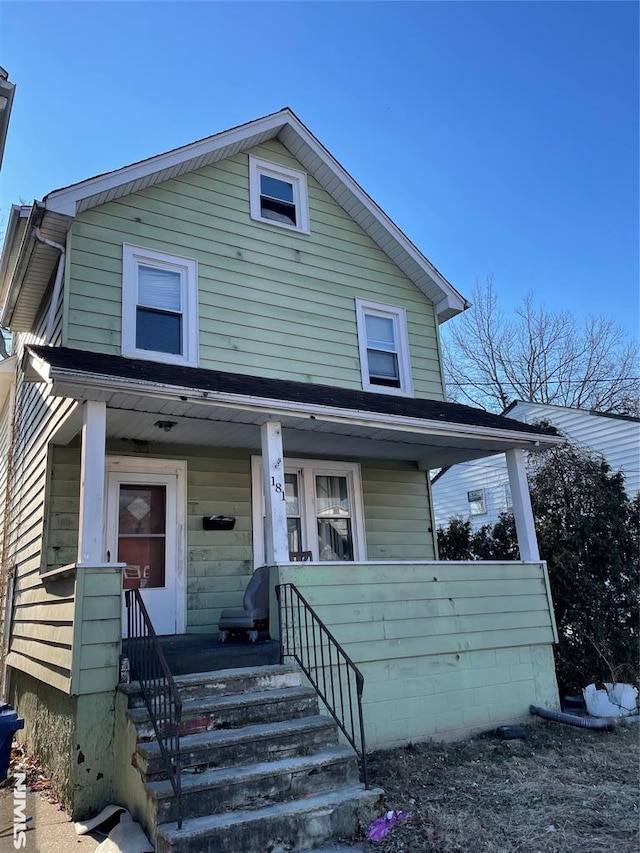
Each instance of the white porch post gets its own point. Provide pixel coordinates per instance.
(94, 433)
(275, 523)
(523, 514)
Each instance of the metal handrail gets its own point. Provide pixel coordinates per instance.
(148, 665)
(305, 638)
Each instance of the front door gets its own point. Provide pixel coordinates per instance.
(145, 531)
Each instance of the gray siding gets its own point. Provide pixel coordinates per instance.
(616, 439)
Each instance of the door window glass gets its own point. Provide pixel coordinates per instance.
(142, 535)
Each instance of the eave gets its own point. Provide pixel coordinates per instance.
(204, 416)
(27, 265)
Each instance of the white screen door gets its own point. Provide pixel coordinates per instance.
(144, 530)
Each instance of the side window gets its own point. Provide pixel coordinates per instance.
(384, 348)
(278, 195)
(476, 501)
(159, 306)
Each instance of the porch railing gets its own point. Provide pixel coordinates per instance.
(148, 665)
(334, 676)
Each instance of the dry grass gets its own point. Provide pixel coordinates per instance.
(560, 790)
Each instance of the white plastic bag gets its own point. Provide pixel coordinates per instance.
(616, 700)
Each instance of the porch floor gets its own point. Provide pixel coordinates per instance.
(189, 653)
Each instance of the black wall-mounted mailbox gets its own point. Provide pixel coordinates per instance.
(218, 522)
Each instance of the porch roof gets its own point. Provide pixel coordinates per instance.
(380, 425)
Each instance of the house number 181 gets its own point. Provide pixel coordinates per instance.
(278, 488)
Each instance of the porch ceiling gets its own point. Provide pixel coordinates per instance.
(134, 419)
(444, 434)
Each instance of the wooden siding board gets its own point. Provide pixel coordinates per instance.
(41, 640)
(98, 680)
(57, 655)
(48, 672)
(47, 633)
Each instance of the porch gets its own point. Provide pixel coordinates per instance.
(446, 649)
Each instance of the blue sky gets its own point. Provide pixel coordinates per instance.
(501, 137)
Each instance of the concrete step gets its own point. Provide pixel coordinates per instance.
(225, 747)
(199, 715)
(219, 657)
(253, 786)
(187, 653)
(224, 682)
(298, 825)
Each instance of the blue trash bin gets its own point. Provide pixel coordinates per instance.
(10, 722)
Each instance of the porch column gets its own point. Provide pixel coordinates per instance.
(275, 522)
(94, 433)
(523, 514)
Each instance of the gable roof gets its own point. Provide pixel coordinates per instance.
(57, 209)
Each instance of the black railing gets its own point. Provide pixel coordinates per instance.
(334, 676)
(148, 666)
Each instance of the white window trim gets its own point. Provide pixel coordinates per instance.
(399, 317)
(312, 467)
(132, 256)
(298, 180)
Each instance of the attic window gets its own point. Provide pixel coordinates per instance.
(278, 195)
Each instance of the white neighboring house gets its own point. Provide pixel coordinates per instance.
(479, 490)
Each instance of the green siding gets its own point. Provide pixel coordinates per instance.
(446, 649)
(219, 563)
(97, 630)
(5, 447)
(271, 301)
(396, 508)
(42, 611)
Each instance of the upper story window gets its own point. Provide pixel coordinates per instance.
(278, 195)
(384, 348)
(159, 306)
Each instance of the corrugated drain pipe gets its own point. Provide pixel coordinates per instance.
(601, 723)
(55, 298)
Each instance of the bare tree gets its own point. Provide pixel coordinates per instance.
(539, 356)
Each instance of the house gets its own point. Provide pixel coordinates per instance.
(234, 328)
(479, 490)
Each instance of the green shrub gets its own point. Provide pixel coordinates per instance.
(589, 533)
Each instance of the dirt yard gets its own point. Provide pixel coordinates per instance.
(560, 790)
